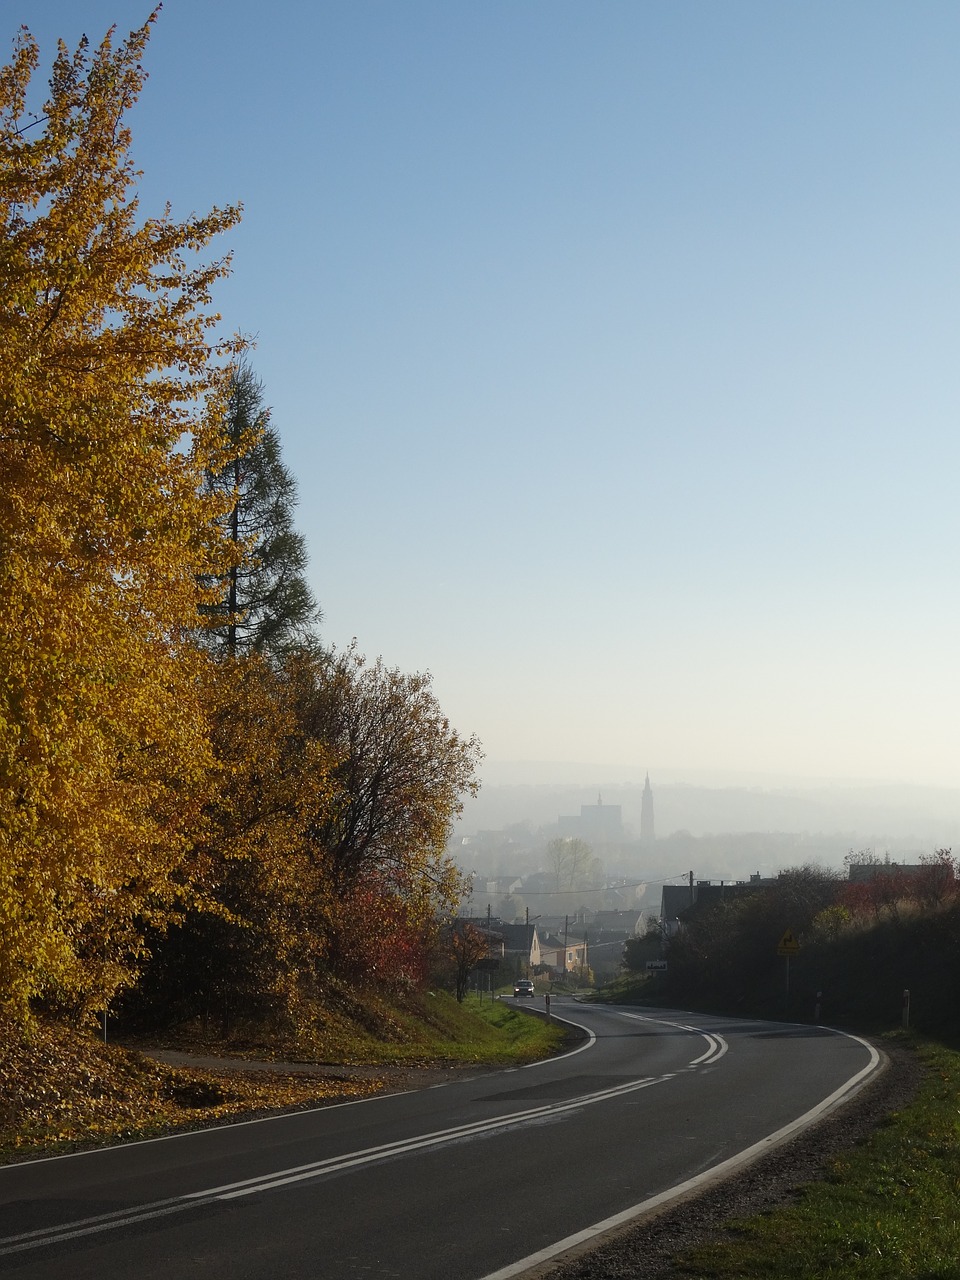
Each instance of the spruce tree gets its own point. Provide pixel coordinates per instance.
(267, 606)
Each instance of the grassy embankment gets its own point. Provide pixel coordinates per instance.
(887, 1209)
(62, 1091)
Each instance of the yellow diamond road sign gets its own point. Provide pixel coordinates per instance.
(788, 945)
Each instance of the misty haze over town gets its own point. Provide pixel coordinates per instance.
(720, 828)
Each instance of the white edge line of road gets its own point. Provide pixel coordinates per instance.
(288, 1115)
(194, 1133)
(590, 1041)
(551, 1252)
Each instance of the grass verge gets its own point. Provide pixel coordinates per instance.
(514, 1035)
(886, 1209)
(629, 988)
(429, 1029)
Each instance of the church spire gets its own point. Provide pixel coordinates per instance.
(647, 835)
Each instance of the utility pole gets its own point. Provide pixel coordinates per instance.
(566, 924)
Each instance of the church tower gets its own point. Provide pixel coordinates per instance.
(647, 836)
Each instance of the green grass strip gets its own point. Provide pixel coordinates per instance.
(516, 1036)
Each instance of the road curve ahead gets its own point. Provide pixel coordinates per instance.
(480, 1178)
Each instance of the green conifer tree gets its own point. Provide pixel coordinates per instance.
(267, 606)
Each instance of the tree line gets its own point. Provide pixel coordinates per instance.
(861, 942)
(203, 809)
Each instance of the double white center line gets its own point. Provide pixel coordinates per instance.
(317, 1169)
(717, 1046)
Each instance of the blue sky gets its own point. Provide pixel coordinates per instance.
(614, 348)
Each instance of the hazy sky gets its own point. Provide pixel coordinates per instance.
(614, 347)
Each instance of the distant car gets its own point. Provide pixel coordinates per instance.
(523, 987)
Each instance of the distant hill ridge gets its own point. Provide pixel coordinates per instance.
(863, 814)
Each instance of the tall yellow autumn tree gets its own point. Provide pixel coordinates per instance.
(110, 413)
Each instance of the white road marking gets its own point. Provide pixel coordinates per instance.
(716, 1049)
(590, 1041)
(717, 1045)
(319, 1168)
(296, 1115)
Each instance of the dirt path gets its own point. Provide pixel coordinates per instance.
(395, 1079)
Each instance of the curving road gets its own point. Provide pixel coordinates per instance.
(481, 1178)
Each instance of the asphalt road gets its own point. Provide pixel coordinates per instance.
(475, 1178)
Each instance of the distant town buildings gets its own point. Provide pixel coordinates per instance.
(598, 824)
(524, 949)
(861, 871)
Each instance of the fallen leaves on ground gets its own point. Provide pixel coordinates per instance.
(62, 1090)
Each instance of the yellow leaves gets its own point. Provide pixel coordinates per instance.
(137, 780)
(106, 368)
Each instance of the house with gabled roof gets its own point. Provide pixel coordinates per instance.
(563, 957)
(518, 944)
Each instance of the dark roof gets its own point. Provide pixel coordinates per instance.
(680, 898)
(517, 937)
(608, 937)
(627, 920)
(551, 941)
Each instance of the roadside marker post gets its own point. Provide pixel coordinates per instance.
(906, 1008)
(546, 1003)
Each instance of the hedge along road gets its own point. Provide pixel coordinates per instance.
(485, 1177)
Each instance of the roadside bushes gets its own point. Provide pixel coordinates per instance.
(726, 956)
(858, 950)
